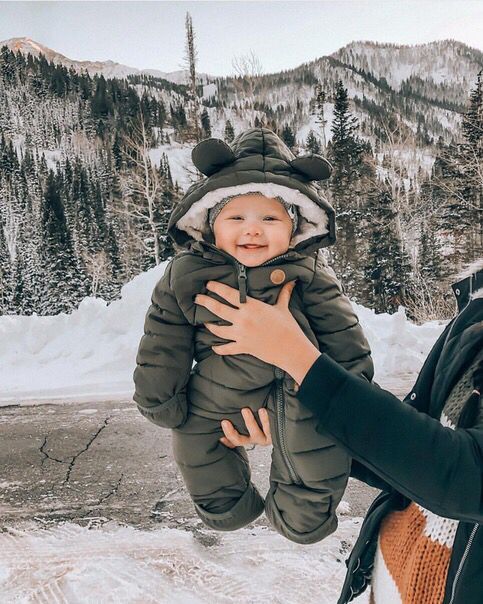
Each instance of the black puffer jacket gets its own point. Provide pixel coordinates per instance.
(404, 449)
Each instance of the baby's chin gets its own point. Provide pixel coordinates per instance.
(253, 258)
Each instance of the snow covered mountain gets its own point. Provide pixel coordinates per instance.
(441, 69)
(109, 69)
(66, 134)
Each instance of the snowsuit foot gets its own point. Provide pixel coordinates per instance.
(306, 483)
(217, 477)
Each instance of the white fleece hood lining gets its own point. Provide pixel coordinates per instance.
(313, 220)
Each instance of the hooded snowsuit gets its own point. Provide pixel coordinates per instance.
(308, 473)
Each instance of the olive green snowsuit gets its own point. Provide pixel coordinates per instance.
(309, 472)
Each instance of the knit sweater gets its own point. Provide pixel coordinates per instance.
(414, 545)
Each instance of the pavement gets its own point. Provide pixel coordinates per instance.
(91, 462)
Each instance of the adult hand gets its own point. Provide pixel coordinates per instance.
(257, 435)
(268, 332)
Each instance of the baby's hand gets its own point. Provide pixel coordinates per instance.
(234, 439)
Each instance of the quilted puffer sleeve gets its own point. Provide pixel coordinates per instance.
(335, 323)
(164, 359)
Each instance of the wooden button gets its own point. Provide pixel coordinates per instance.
(277, 276)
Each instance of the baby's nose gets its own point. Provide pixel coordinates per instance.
(253, 228)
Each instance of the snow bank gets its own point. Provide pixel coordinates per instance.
(398, 346)
(112, 563)
(91, 353)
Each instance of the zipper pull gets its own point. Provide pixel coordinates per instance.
(278, 373)
(242, 282)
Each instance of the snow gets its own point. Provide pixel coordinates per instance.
(114, 563)
(179, 157)
(209, 90)
(91, 353)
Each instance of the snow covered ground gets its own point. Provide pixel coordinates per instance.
(119, 564)
(90, 354)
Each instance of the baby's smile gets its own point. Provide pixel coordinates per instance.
(251, 246)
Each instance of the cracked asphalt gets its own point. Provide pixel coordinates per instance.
(95, 462)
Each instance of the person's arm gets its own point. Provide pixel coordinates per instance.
(435, 466)
(439, 468)
(164, 359)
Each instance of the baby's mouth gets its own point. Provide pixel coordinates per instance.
(251, 246)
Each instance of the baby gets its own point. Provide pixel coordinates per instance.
(255, 222)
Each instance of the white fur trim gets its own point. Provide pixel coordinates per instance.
(313, 220)
(477, 294)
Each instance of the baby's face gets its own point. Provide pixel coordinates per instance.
(253, 229)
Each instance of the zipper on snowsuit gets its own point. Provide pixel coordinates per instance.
(242, 281)
(280, 413)
(462, 562)
(242, 275)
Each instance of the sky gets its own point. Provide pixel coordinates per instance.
(282, 34)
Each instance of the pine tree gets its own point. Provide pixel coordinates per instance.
(6, 276)
(116, 152)
(288, 136)
(205, 124)
(388, 268)
(471, 157)
(312, 144)
(347, 189)
(64, 288)
(452, 195)
(229, 132)
(101, 106)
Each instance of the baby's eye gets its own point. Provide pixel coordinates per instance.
(236, 218)
(270, 218)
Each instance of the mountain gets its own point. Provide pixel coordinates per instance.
(444, 69)
(109, 69)
(75, 213)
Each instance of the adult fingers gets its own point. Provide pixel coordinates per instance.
(222, 331)
(263, 415)
(217, 308)
(285, 294)
(230, 294)
(237, 439)
(256, 435)
(225, 349)
(224, 440)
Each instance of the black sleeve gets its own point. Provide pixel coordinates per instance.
(439, 468)
(364, 474)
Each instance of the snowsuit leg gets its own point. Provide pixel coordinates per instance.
(306, 488)
(217, 477)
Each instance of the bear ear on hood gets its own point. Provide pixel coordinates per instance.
(312, 166)
(212, 154)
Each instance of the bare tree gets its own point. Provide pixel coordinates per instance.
(248, 68)
(141, 188)
(97, 267)
(190, 59)
(393, 179)
(318, 111)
